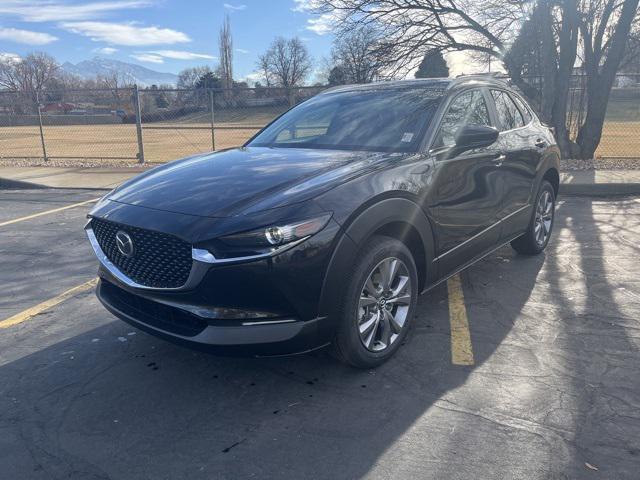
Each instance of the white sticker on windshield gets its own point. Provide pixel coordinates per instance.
(407, 137)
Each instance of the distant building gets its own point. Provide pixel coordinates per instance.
(58, 107)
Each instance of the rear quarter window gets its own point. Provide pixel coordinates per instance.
(526, 112)
(508, 114)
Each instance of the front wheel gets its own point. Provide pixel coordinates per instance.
(376, 310)
(537, 236)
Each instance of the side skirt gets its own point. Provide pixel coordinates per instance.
(468, 264)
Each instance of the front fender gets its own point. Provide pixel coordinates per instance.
(355, 235)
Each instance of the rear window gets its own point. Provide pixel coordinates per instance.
(389, 120)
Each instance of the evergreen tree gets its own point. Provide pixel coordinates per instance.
(337, 76)
(433, 65)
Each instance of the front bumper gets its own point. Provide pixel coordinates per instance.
(261, 306)
(268, 338)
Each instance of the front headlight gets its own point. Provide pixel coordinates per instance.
(270, 239)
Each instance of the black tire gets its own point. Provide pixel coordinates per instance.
(381, 254)
(531, 243)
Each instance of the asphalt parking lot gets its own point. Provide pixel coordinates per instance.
(548, 386)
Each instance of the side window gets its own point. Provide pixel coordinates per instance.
(468, 108)
(526, 113)
(508, 114)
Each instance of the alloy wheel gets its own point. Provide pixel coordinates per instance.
(544, 218)
(384, 304)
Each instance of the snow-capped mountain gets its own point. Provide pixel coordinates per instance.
(131, 72)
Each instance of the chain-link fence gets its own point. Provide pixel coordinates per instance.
(73, 124)
(158, 125)
(131, 124)
(621, 131)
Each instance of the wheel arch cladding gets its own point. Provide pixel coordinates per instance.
(553, 177)
(398, 218)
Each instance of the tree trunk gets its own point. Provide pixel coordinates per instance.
(568, 47)
(590, 132)
(600, 80)
(548, 61)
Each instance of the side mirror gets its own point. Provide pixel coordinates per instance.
(475, 136)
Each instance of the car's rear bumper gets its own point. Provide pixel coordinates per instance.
(282, 336)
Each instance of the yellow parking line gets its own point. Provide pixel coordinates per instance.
(35, 215)
(461, 349)
(47, 305)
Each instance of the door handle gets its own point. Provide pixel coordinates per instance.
(499, 159)
(540, 143)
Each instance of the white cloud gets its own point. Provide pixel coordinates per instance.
(147, 57)
(62, 10)
(130, 34)
(6, 57)
(253, 77)
(180, 54)
(234, 8)
(27, 37)
(242, 50)
(323, 24)
(106, 50)
(303, 5)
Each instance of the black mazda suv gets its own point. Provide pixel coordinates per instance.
(325, 227)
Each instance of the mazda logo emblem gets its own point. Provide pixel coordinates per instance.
(124, 244)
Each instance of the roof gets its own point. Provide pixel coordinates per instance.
(436, 83)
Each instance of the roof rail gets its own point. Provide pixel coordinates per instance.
(497, 76)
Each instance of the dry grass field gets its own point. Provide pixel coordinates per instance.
(116, 141)
(620, 139)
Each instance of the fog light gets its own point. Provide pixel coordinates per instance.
(275, 235)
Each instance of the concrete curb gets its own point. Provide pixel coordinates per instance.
(9, 184)
(599, 189)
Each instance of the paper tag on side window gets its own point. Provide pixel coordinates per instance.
(407, 137)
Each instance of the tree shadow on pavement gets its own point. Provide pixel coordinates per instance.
(594, 358)
(132, 406)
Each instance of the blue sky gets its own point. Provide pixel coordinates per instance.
(165, 35)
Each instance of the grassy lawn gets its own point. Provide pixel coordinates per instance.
(620, 138)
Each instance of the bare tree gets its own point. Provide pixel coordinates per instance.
(410, 29)
(286, 63)
(595, 32)
(605, 26)
(189, 77)
(118, 84)
(226, 54)
(563, 29)
(29, 75)
(541, 61)
(631, 60)
(353, 54)
(264, 66)
(11, 77)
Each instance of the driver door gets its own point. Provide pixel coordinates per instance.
(467, 190)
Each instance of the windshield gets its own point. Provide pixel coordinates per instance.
(376, 120)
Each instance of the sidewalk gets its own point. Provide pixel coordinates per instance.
(583, 182)
(60, 177)
(598, 182)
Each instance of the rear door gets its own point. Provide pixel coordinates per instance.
(518, 141)
(467, 193)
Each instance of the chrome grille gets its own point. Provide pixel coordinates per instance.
(160, 260)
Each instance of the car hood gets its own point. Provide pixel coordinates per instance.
(243, 180)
